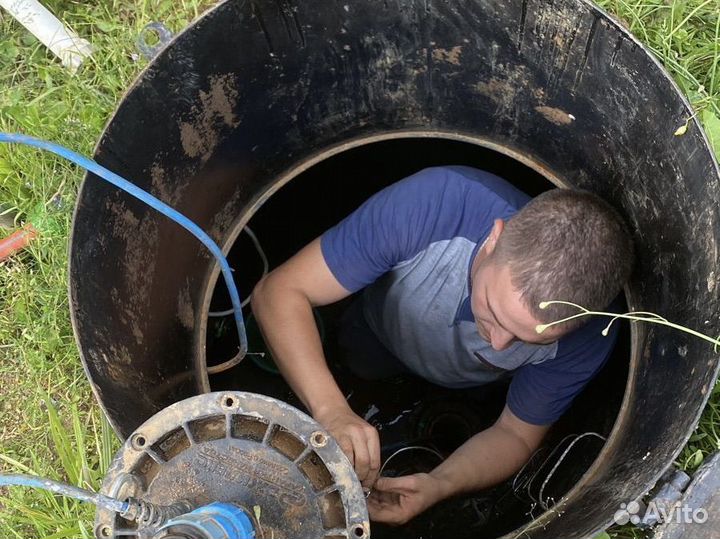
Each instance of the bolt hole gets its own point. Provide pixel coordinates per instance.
(138, 441)
(103, 531)
(151, 37)
(359, 531)
(228, 402)
(318, 439)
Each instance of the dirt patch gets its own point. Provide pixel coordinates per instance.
(505, 88)
(556, 116)
(220, 98)
(192, 141)
(186, 313)
(159, 182)
(711, 282)
(140, 235)
(497, 90)
(199, 135)
(451, 56)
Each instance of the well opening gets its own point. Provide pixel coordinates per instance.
(409, 412)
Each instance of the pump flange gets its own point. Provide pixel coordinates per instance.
(241, 448)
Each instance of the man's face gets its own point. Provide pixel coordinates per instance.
(500, 314)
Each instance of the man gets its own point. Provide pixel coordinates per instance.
(454, 262)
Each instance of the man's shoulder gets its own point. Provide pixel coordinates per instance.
(588, 346)
(540, 393)
(468, 182)
(442, 203)
(431, 207)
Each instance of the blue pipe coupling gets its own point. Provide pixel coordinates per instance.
(214, 521)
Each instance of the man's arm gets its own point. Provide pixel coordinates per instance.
(282, 302)
(488, 458)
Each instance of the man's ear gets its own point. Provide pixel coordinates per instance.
(498, 227)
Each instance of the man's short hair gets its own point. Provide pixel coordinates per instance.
(567, 245)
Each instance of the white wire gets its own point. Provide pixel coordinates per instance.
(518, 475)
(266, 270)
(519, 483)
(410, 448)
(557, 465)
(532, 478)
(403, 450)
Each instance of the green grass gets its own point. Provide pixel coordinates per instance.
(38, 357)
(81, 447)
(685, 36)
(66, 438)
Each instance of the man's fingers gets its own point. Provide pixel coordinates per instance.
(388, 513)
(360, 442)
(362, 457)
(345, 443)
(373, 445)
(383, 498)
(405, 484)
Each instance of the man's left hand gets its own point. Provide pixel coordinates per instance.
(396, 500)
(486, 459)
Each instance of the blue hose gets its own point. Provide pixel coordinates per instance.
(147, 198)
(66, 490)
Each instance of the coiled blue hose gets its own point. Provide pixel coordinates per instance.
(66, 490)
(147, 198)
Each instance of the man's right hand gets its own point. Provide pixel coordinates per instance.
(358, 439)
(282, 302)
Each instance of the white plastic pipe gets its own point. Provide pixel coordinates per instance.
(66, 44)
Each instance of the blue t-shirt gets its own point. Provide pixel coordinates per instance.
(411, 247)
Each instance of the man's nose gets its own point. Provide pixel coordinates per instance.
(500, 339)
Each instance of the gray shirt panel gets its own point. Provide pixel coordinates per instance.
(413, 311)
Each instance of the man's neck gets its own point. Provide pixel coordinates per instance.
(481, 255)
